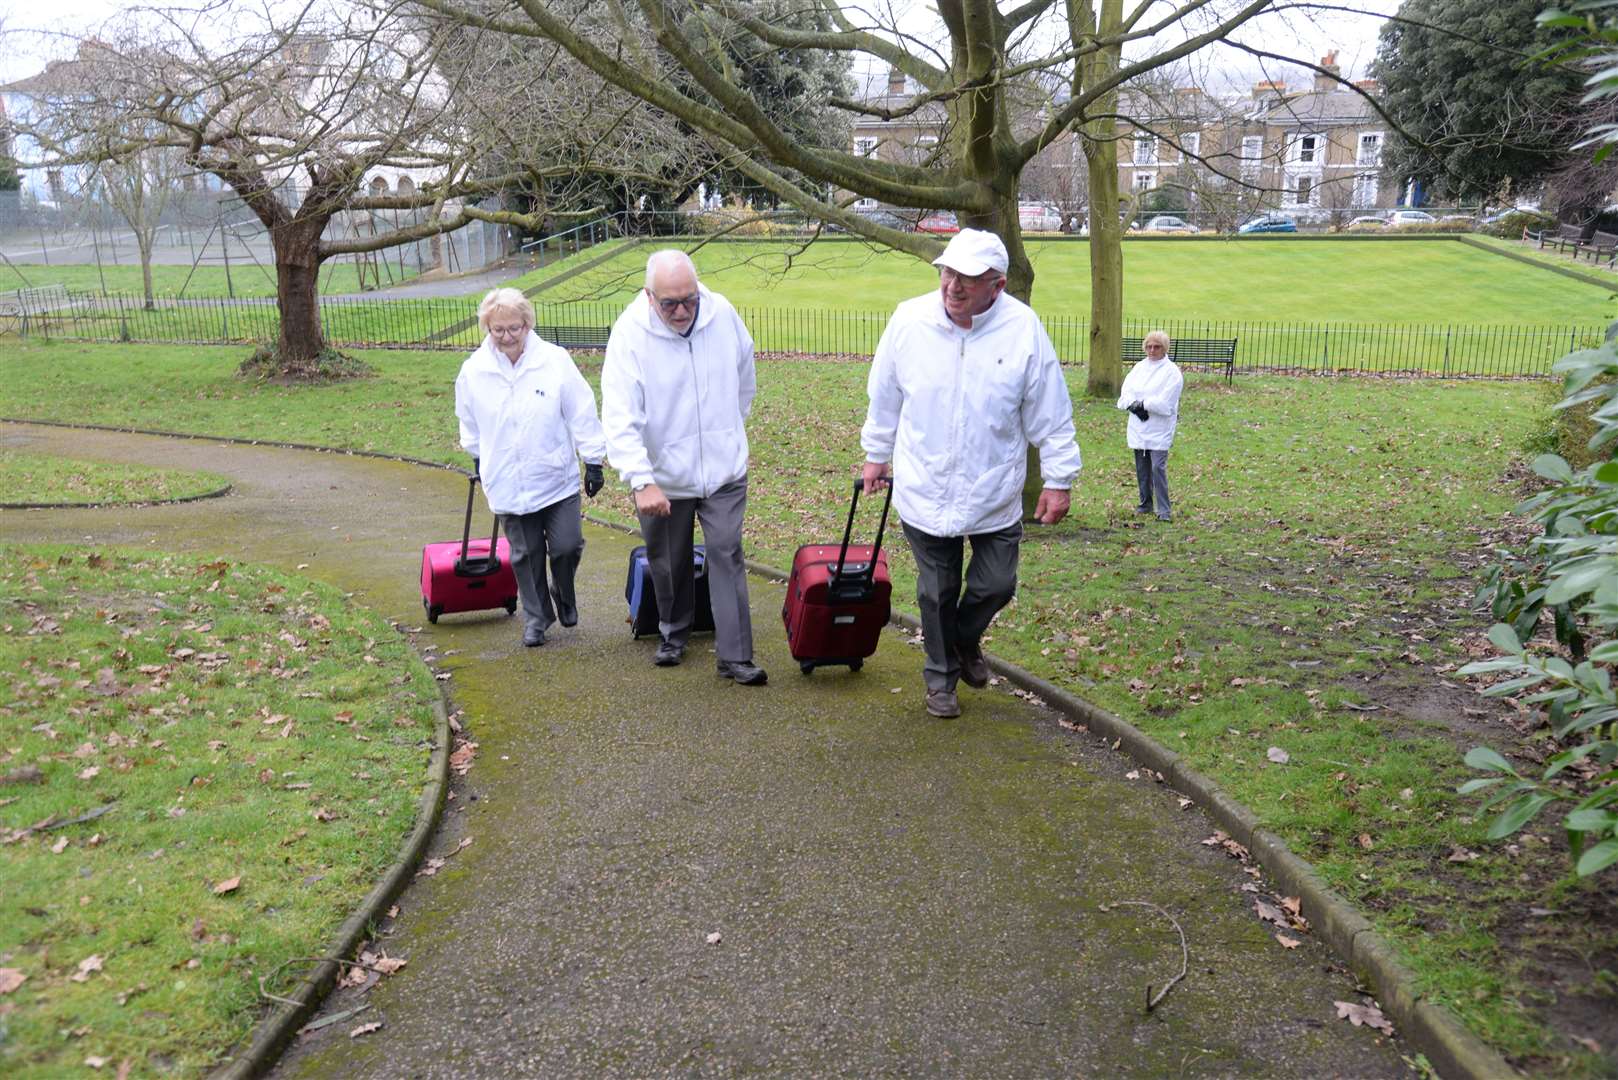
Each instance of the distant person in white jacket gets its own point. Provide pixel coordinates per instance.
(964, 380)
(676, 389)
(1151, 396)
(527, 415)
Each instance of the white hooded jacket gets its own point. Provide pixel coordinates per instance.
(1156, 384)
(527, 423)
(955, 410)
(674, 407)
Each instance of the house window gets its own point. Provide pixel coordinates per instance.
(1307, 150)
(1365, 191)
(1252, 154)
(1145, 181)
(1191, 144)
(1145, 150)
(864, 147)
(1303, 191)
(865, 204)
(1370, 151)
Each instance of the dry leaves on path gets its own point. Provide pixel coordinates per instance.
(1364, 1015)
(365, 1029)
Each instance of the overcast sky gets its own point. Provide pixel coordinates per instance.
(40, 30)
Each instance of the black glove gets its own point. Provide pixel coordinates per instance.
(1139, 410)
(476, 470)
(593, 479)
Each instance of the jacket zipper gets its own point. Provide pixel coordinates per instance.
(696, 393)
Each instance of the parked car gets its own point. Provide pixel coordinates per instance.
(940, 221)
(1037, 217)
(1500, 215)
(1170, 224)
(1468, 218)
(1409, 217)
(1368, 221)
(1269, 223)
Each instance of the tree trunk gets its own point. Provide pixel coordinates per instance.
(297, 274)
(143, 241)
(1106, 230)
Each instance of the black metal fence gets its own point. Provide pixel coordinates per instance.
(1445, 351)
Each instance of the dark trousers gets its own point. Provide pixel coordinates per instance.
(670, 560)
(1152, 477)
(555, 530)
(949, 615)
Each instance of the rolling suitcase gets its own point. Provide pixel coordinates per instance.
(839, 597)
(643, 598)
(465, 576)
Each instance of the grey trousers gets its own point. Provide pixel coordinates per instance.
(669, 543)
(948, 615)
(1152, 477)
(555, 530)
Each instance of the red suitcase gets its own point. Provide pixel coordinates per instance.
(462, 576)
(839, 597)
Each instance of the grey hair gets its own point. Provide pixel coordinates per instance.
(504, 300)
(1156, 335)
(666, 259)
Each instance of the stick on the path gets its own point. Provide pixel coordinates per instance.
(1185, 954)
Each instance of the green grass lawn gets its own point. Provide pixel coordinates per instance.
(245, 280)
(1278, 280)
(247, 750)
(1311, 595)
(38, 478)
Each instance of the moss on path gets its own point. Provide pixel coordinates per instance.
(892, 894)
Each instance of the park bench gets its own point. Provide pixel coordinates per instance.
(1601, 245)
(575, 337)
(1220, 352)
(1564, 237)
(20, 307)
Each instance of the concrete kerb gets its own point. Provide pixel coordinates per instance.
(273, 1032)
(217, 493)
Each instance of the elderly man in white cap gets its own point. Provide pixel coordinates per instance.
(964, 380)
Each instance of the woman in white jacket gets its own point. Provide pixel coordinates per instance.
(1151, 396)
(527, 416)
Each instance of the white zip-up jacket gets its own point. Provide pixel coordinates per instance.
(955, 410)
(527, 423)
(1156, 384)
(675, 407)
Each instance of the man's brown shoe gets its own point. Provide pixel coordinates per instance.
(974, 669)
(943, 704)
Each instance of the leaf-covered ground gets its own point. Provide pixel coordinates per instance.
(202, 764)
(37, 478)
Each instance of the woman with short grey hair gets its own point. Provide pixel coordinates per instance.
(527, 416)
(1151, 396)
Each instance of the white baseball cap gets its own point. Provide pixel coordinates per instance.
(973, 252)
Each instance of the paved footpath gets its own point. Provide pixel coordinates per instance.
(892, 894)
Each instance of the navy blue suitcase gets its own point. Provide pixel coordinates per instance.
(643, 598)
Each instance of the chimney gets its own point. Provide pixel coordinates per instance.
(1323, 83)
(896, 82)
(1370, 86)
(1269, 91)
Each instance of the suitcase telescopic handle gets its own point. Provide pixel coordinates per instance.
(848, 530)
(466, 528)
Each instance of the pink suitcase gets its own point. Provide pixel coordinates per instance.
(463, 577)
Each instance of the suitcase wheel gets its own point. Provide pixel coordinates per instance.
(855, 665)
(806, 666)
(511, 606)
(433, 611)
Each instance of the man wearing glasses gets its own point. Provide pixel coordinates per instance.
(964, 380)
(676, 388)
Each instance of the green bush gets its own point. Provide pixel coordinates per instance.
(1438, 227)
(1512, 225)
(1570, 572)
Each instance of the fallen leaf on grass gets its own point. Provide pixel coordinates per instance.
(229, 885)
(96, 1062)
(365, 1029)
(60, 846)
(91, 773)
(1461, 854)
(87, 966)
(1588, 1043)
(1278, 755)
(10, 979)
(1364, 1015)
(1287, 942)
(323, 814)
(1365, 841)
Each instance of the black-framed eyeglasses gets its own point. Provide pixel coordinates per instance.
(674, 303)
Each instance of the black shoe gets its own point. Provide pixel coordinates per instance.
(668, 653)
(743, 671)
(974, 669)
(943, 704)
(1164, 517)
(533, 636)
(566, 614)
(1143, 509)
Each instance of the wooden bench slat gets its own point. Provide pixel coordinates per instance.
(1220, 351)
